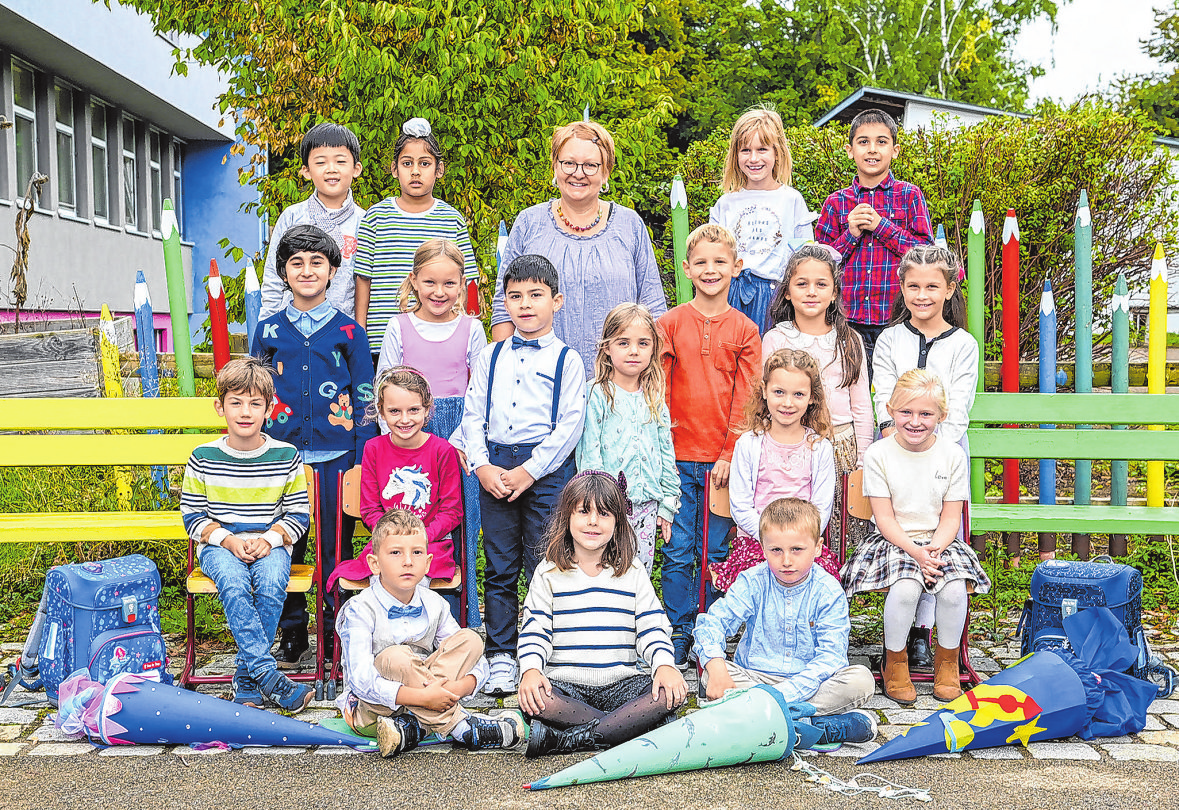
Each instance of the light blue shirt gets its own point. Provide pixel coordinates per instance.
(308, 323)
(521, 404)
(627, 438)
(799, 633)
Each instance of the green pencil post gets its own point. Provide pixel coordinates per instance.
(177, 301)
(976, 271)
(679, 238)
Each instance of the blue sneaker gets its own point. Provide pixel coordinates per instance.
(856, 726)
(485, 731)
(682, 645)
(285, 693)
(398, 734)
(246, 690)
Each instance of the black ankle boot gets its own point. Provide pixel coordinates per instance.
(920, 654)
(545, 739)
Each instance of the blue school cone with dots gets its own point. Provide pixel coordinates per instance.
(130, 709)
(756, 725)
(1047, 695)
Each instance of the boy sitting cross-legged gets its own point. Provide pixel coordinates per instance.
(244, 502)
(406, 662)
(809, 661)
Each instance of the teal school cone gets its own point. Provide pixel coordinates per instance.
(756, 725)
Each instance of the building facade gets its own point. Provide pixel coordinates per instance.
(95, 104)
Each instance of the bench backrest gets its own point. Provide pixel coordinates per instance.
(997, 409)
(45, 448)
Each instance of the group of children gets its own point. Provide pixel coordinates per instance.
(570, 487)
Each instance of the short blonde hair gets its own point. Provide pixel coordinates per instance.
(791, 514)
(248, 375)
(918, 382)
(586, 131)
(766, 124)
(711, 232)
(396, 523)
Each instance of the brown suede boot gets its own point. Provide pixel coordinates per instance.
(946, 683)
(897, 684)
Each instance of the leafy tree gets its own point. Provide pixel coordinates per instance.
(493, 78)
(806, 55)
(1157, 94)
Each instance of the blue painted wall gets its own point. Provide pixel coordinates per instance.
(213, 201)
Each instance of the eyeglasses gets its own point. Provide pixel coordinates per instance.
(588, 169)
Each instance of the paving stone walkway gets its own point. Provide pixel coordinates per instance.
(29, 730)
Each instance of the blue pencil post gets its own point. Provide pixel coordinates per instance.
(253, 301)
(1119, 470)
(1047, 386)
(940, 239)
(149, 367)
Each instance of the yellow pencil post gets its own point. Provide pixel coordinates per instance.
(1156, 362)
(113, 387)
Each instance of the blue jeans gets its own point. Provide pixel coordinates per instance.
(681, 555)
(252, 595)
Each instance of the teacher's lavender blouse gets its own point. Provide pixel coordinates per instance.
(596, 272)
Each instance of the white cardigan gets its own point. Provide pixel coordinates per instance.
(743, 480)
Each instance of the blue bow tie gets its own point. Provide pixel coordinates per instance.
(518, 341)
(400, 611)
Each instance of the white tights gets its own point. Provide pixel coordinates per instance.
(900, 607)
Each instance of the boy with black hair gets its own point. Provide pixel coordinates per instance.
(323, 384)
(872, 223)
(522, 419)
(244, 503)
(330, 154)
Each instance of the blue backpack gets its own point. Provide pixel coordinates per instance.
(1060, 588)
(102, 617)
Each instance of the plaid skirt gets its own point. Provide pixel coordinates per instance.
(877, 564)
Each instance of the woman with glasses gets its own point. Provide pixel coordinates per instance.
(601, 249)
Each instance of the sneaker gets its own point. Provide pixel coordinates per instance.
(285, 693)
(246, 691)
(500, 731)
(505, 673)
(398, 734)
(856, 726)
(682, 645)
(294, 649)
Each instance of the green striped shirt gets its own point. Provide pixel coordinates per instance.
(385, 244)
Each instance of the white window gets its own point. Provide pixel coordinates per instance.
(100, 168)
(177, 185)
(67, 194)
(25, 107)
(157, 178)
(130, 176)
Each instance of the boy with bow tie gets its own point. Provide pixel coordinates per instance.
(406, 662)
(522, 419)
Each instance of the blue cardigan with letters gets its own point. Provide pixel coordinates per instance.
(323, 385)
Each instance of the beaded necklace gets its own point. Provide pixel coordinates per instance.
(575, 228)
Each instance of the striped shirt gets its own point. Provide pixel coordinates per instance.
(256, 492)
(385, 243)
(591, 630)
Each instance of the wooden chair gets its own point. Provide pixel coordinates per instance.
(718, 504)
(303, 578)
(349, 501)
(856, 504)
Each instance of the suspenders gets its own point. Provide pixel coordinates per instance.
(556, 386)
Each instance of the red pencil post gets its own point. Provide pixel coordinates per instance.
(1009, 368)
(218, 322)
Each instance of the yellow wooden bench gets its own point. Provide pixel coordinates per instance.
(43, 432)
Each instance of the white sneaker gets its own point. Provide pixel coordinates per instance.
(505, 673)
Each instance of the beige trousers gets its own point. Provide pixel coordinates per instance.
(453, 660)
(847, 689)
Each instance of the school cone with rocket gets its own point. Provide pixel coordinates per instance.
(1047, 695)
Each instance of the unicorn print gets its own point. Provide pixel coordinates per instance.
(411, 484)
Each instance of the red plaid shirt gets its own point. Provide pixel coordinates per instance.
(870, 261)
